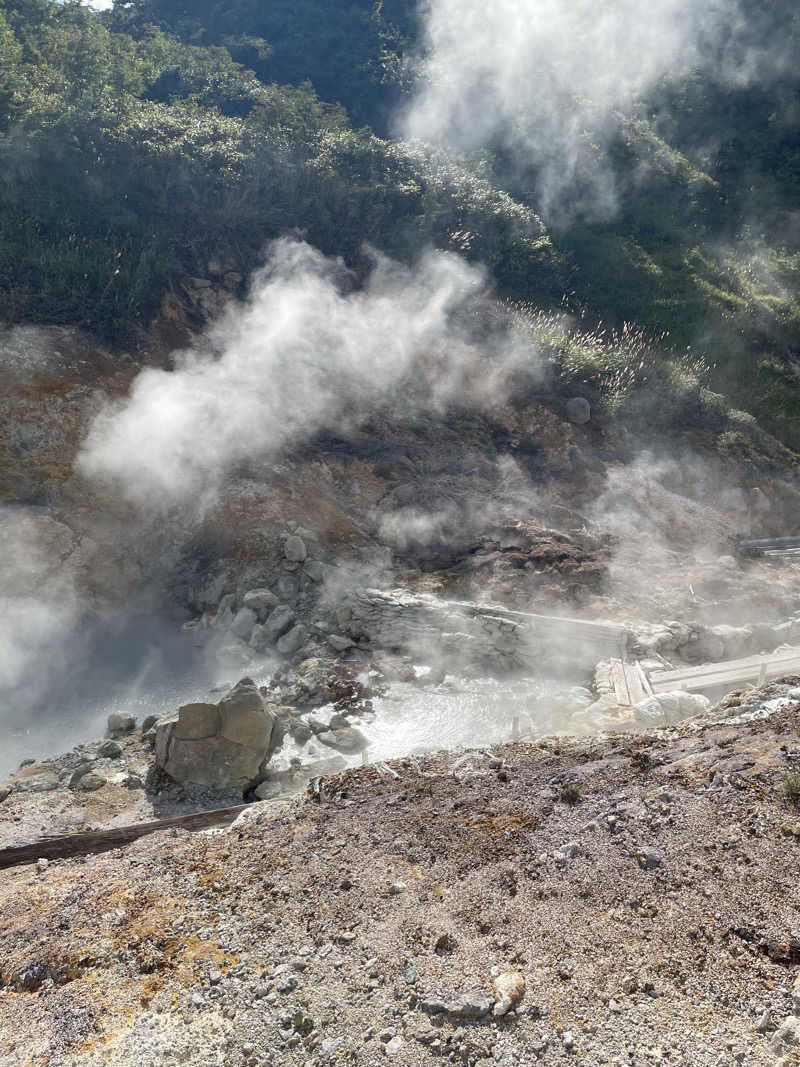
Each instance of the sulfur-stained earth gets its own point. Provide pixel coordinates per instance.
(641, 891)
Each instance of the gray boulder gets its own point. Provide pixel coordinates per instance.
(292, 641)
(288, 587)
(346, 739)
(211, 593)
(119, 724)
(110, 750)
(339, 643)
(224, 615)
(88, 783)
(787, 1036)
(227, 744)
(37, 783)
(258, 638)
(315, 570)
(233, 652)
(80, 772)
(294, 548)
(243, 622)
(278, 622)
(260, 599)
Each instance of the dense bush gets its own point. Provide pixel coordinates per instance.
(130, 161)
(137, 144)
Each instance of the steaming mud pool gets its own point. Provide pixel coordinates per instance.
(412, 719)
(406, 719)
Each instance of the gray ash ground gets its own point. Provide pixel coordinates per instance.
(645, 888)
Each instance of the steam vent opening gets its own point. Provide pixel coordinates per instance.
(399, 534)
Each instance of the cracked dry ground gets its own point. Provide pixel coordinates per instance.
(320, 932)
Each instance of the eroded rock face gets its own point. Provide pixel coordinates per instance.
(464, 634)
(224, 745)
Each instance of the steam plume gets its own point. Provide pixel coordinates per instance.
(547, 80)
(307, 351)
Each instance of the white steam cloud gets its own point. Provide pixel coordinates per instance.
(38, 604)
(308, 351)
(548, 79)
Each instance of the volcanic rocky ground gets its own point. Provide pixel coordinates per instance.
(635, 898)
(625, 896)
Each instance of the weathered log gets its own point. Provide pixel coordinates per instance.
(89, 841)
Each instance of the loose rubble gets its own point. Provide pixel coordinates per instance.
(629, 899)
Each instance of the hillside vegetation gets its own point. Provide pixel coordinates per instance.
(140, 143)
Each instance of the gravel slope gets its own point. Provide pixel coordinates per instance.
(644, 888)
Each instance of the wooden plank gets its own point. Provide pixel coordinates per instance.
(644, 681)
(82, 844)
(637, 691)
(621, 692)
(734, 673)
(748, 665)
(768, 546)
(630, 683)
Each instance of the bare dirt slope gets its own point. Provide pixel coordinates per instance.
(644, 888)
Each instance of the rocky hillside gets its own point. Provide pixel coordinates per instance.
(628, 896)
(376, 479)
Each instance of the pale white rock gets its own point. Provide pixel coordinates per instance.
(509, 989)
(787, 1037)
(736, 641)
(666, 708)
(346, 739)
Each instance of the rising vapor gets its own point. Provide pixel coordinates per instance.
(547, 81)
(307, 351)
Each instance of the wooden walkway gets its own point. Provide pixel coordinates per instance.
(775, 547)
(633, 684)
(731, 674)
